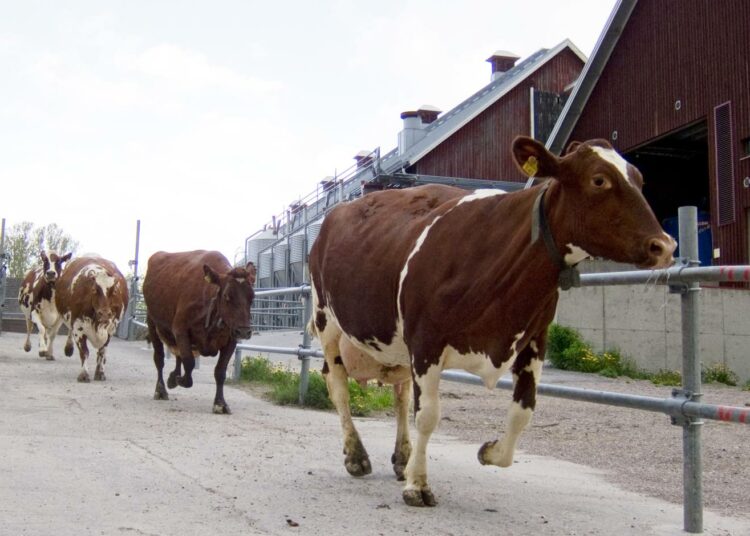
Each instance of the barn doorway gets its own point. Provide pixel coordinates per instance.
(675, 171)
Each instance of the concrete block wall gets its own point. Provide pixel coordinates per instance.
(644, 323)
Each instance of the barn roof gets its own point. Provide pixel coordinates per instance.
(451, 121)
(590, 75)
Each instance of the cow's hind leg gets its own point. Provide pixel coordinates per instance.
(160, 393)
(427, 415)
(402, 395)
(83, 351)
(69, 342)
(527, 370)
(356, 460)
(101, 359)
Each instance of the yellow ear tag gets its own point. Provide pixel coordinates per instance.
(207, 279)
(531, 166)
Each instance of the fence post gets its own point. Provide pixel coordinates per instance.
(304, 376)
(3, 272)
(237, 365)
(691, 377)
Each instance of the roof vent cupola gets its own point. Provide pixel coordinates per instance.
(502, 61)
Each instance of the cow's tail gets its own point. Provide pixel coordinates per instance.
(311, 328)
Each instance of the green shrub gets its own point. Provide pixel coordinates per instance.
(746, 387)
(559, 339)
(719, 373)
(666, 377)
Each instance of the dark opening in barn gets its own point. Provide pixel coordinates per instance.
(675, 171)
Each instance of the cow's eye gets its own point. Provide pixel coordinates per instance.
(600, 182)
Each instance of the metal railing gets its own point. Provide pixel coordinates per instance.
(684, 407)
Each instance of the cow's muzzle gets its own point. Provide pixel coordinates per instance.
(659, 250)
(242, 332)
(50, 276)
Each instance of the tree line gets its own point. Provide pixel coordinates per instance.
(24, 240)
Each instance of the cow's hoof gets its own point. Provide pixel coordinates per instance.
(399, 465)
(416, 497)
(172, 380)
(99, 376)
(221, 408)
(50, 357)
(161, 392)
(83, 377)
(360, 467)
(69, 349)
(27, 347)
(482, 454)
(185, 381)
(42, 353)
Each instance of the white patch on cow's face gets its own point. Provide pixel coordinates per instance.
(480, 364)
(480, 194)
(100, 275)
(614, 158)
(575, 255)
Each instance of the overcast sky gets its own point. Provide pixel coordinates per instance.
(204, 118)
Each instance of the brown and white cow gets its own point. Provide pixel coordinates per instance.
(435, 277)
(36, 298)
(92, 296)
(197, 305)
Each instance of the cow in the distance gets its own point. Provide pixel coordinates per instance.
(36, 298)
(92, 296)
(447, 278)
(197, 304)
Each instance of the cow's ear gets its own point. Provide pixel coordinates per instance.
(251, 272)
(572, 147)
(209, 275)
(43, 256)
(533, 158)
(66, 257)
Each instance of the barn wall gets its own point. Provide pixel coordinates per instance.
(481, 149)
(694, 51)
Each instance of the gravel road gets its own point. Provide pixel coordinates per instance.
(104, 458)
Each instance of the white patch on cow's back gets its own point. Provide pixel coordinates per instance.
(483, 193)
(575, 254)
(614, 158)
(481, 364)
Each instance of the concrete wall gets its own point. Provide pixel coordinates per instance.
(644, 323)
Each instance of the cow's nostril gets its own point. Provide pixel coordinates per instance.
(656, 248)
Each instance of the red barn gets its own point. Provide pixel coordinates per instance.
(668, 86)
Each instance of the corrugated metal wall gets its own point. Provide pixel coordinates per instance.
(696, 52)
(482, 148)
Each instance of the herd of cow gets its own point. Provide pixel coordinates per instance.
(405, 283)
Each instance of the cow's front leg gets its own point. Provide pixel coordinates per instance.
(402, 395)
(101, 359)
(220, 374)
(427, 415)
(29, 328)
(43, 341)
(69, 342)
(51, 334)
(83, 352)
(527, 371)
(356, 460)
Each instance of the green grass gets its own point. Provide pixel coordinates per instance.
(284, 385)
(567, 350)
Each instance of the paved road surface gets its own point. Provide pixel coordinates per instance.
(106, 459)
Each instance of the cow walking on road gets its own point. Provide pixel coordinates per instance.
(36, 298)
(447, 278)
(92, 296)
(197, 305)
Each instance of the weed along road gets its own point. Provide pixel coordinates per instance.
(104, 458)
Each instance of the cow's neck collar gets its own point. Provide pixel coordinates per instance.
(540, 226)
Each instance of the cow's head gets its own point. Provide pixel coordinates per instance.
(234, 298)
(52, 266)
(600, 208)
(105, 294)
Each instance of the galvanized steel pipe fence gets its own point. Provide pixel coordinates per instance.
(684, 408)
